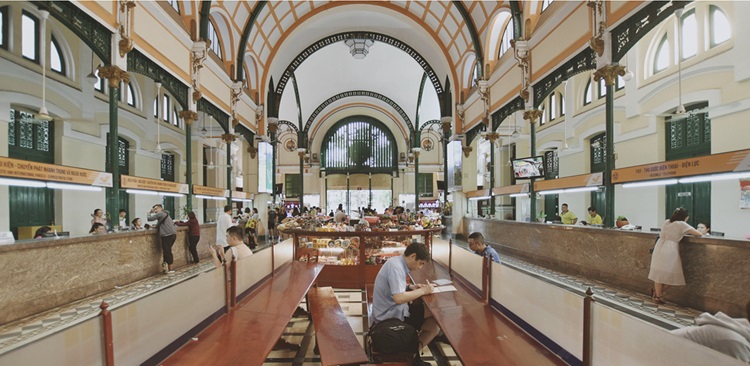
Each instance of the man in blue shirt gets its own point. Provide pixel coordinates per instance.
(391, 294)
(476, 243)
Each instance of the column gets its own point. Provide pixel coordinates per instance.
(445, 125)
(532, 115)
(416, 151)
(609, 73)
(228, 138)
(301, 152)
(114, 75)
(189, 117)
(492, 137)
(273, 126)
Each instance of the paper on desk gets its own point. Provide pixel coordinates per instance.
(442, 282)
(447, 288)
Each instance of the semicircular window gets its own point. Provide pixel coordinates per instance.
(359, 144)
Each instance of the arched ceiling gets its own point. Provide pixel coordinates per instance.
(278, 31)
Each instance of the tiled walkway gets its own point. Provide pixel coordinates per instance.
(300, 331)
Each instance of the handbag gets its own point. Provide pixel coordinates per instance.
(651, 251)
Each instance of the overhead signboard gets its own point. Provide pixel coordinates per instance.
(735, 161)
(507, 190)
(583, 180)
(149, 184)
(23, 169)
(210, 191)
(243, 195)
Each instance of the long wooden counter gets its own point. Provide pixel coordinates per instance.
(717, 270)
(42, 274)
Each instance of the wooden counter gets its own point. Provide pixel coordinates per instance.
(717, 270)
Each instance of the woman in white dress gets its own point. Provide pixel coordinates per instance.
(666, 265)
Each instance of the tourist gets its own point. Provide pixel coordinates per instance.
(476, 244)
(167, 234)
(194, 235)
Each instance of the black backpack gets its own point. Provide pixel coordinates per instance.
(394, 336)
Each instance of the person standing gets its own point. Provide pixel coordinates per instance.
(476, 243)
(222, 224)
(567, 217)
(271, 224)
(167, 233)
(194, 235)
(98, 217)
(666, 264)
(392, 296)
(594, 218)
(123, 219)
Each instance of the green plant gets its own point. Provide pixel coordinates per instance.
(621, 218)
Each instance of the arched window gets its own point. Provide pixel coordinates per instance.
(29, 37)
(552, 106)
(721, 30)
(214, 38)
(127, 94)
(689, 36)
(156, 107)
(508, 35)
(661, 61)
(4, 27)
(601, 89)
(56, 62)
(545, 4)
(99, 86)
(175, 4)
(175, 119)
(620, 83)
(165, 108)
(359, 144)
(562, 105)
(543, 119)
(588, 94)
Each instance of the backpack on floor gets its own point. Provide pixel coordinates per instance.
(394, 336)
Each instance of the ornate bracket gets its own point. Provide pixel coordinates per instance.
(188, 117)
(115, 75)
(522, 55)
(609, 73)
(199, 53)
(597, 12)
(125, 23)
(253, 151)
(467, 150)
(492, 137)
(532, 115)
(228, 138)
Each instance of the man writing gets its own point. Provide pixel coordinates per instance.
(392, 295)
(476, 243)
(567, 217)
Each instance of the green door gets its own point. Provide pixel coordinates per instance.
(551, 171)
(32, 140)
(167, 174)
(598, 154)
(123, 198)
(688, 137)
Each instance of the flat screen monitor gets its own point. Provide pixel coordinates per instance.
(532, 167)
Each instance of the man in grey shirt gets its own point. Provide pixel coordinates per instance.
(167, 233)
(391, 294)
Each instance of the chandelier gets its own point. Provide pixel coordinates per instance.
(359, 47)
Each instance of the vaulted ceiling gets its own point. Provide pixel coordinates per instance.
(281, 40)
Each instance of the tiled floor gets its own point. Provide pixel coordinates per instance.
(354, 304)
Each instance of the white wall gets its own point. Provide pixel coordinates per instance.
(77, 346)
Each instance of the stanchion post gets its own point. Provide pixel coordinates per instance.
(109, 349)
(233, 283)
(587, 301)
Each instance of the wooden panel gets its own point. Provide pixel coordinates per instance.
(467, 264)
(335, 338)
(248, 333)
(479, 334)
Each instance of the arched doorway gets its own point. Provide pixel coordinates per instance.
(359, 157)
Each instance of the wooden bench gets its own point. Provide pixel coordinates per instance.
(396, 359)
(334, 337)
(479, 334)
(248, 333)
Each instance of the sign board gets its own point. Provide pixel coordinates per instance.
(735, 161)
(243, 195)
(478, 193)
(23, 169)
(210, 191)
(148, 184)
(504, 191)
(576, 181)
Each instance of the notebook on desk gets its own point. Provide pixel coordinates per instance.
(447, 288)
(442, 282)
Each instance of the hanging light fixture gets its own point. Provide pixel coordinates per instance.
(515, 128)
(359, 47)
(91, 77)
(43, 114)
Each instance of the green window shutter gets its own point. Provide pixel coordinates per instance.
(292, 187)
(425, 184)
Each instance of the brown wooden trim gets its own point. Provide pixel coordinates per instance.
(109, 349)
(587, 303)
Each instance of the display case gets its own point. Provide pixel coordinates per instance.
(354, 258)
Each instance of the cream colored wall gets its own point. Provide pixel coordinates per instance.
(76, 346)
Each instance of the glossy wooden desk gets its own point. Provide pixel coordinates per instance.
(247, 334)
(479, 334)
